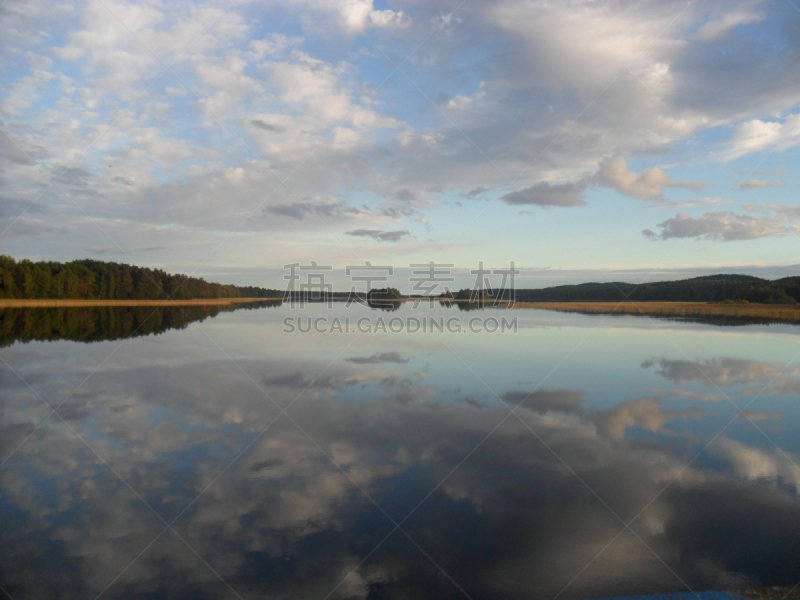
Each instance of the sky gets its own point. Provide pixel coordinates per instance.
(581, 140)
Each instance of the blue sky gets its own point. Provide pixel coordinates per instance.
(593, 140)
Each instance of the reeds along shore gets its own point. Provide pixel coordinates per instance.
(777, 312)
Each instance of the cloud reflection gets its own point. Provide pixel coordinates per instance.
(293, 516)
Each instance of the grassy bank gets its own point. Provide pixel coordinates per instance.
(778, 312)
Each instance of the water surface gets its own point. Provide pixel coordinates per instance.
(582, 456)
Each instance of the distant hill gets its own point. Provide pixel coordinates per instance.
(709, 288)
(99, 280)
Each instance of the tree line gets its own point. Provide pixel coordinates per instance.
(100, 280)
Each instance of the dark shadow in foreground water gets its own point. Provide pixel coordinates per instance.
(103, 323)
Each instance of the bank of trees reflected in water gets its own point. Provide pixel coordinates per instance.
(103, 323)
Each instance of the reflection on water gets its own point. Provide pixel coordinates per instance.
(284, 464)
(101, 323)
(727, 321)
(384, 305)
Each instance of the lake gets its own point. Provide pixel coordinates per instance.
(213, 454)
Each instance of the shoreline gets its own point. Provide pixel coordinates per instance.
(778, 312)
(61, 303)
(784, 312)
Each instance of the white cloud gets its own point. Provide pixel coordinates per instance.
(536, 93)
(719, 373)
(725, 226)
(756, 136)
(716, 27)
(758, 465)
(357, 15)
(275, 43)
(711, 201)
(648, 185)
(642, 412)
(349, 17)
(318, 87)
(789, 212)
(587, 49)
(754, 184)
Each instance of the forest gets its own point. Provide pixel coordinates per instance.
(99, 280)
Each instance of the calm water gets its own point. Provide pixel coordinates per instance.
(224, 458)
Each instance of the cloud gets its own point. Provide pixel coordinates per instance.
(10, 209)
(295, 211)
(284, 500)
(380, 236)
(310, 101)
(646, 413)
(727, 226)
(314, 210)
(23, 219)
(689, 394)
(753, 184)
(476, 192)
(113, 250)
(755, 415)
(711, 201)
(649, 185)
(757, 465)
(757, 135)
(378, 358)
(781, 211)
(642, 412)
(720, 372)
(11, 151)
(405, 202)
(275, 43)
(268, 126)
(715, 28)
(649, 233)
(357, 15)
(545, 194)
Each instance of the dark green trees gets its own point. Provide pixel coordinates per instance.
(98, 280)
